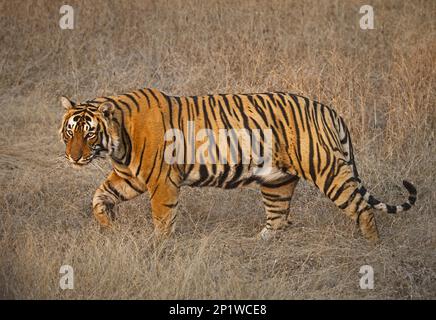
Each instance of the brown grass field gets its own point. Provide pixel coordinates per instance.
(381, 81)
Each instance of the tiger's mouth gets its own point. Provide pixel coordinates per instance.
(85, 161)
(97, 152)
(80, 162)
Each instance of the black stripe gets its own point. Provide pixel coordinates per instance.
(132, 186)
(340, 190)
(133, 99)
(140, 159)
(127, 106)
(171, 205)
(152, 168)
(391, 209)
(203, 175)
(154, 96)
(115, 192)
(146, 97)
(279, 184)
(406, 206)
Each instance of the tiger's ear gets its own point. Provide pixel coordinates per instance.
(107, 109)
(67, 103)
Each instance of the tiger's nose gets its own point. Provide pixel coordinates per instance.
(76, 156)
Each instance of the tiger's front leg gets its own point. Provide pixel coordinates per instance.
(112, 191)
(164, 199)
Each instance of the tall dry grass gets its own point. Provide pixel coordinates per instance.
(381, 81)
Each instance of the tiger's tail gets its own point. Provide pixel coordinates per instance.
(377, 204)
(345, 139)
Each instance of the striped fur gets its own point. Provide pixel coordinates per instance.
(309, 141)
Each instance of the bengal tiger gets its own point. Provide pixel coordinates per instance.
(309, 140)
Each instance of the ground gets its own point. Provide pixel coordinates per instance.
(381, 81)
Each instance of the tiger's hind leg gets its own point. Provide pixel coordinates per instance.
(343, 191)
(112, 191)
(367, 225)
(276, 199)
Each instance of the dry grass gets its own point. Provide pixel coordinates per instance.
(381, 81)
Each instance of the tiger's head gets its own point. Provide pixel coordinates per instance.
(88, 131)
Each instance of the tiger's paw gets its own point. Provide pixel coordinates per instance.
(267, 234)
(161, 235)
(103, 220)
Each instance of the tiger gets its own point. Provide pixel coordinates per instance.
(308, 140)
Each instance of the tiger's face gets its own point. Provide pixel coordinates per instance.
(86, 131)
